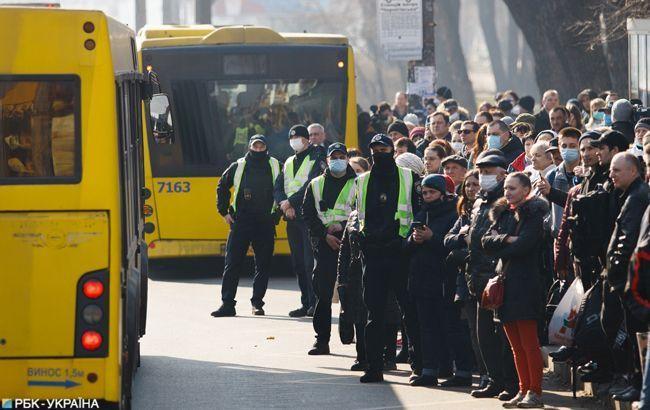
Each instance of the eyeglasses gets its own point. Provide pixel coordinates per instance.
(466, 131)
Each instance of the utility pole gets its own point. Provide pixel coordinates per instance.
(428, 42)
(203, 11)
(140, 14)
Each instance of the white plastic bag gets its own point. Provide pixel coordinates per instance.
(563, 322)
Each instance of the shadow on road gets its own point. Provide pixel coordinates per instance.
(193, 384)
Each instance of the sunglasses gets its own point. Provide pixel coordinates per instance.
(521, 128)
(466, 131)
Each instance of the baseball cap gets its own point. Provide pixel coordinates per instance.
(257, 137)
(299, 130)
(337, 146)
(381, 139)
(455, 159)
(612, 139)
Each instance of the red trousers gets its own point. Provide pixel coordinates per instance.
(522, 335)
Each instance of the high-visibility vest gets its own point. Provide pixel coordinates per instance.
(292, 184)
(241, 164)
(404, 213)
(342, 206)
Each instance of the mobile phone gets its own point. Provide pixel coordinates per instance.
(417, 225)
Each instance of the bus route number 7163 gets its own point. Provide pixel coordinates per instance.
(174, 187)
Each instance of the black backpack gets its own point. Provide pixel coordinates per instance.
(589, 335)
(589, 224)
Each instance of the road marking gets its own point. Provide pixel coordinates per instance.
(256, 369)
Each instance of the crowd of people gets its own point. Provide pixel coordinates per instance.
(460, 234)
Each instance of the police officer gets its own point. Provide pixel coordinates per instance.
(328, 203)
(250, 214)
(387, 197)
(298, 171)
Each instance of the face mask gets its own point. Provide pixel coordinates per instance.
(453, 117)
(338, 166)
(494, 142)
(608, 119)
(383, 160)
(457, 146)
(257, 154)
(487, 182)
(570, 155)
(296, 144)
(599, 116)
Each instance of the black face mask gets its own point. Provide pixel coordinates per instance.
(383, 161)
(257, 155)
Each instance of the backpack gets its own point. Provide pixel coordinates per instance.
(589, 223)
(589, 335)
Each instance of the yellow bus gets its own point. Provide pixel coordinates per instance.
(73, 259)
(225, 85)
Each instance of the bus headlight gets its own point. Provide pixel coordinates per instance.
(92, 314)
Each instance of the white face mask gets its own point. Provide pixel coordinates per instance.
(457, 146)
(296, 144)
(487, 182)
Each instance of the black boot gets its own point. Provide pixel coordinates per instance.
(425, 380)
(359, 366)
(300, 312)
(457, 381)
(372, 376)
(320, 348)
(492, 390)
(402, 356)
(224, 311)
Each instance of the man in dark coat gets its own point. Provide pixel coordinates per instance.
(480, 268)
(550, 99)
(499, 137)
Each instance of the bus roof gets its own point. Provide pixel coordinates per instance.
(205, 34)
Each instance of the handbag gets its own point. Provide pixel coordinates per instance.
(492, 297)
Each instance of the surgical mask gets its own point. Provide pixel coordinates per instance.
(570, 155)
(599, 116)
(338, 166)
(296, 144)
(457, 146)
(494, 141)
(453, 117)
(487, 182)
(608, 119)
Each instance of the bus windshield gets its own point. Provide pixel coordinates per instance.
(215, 115)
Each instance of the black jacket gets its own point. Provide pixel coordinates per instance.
(428, 259)
(626, 128)
(296, 199)
(381, 229)
(520, 261)
(331, 190)
(626, 232)
(255, 194)
(458, 255)
(512, 149)
(480, 266)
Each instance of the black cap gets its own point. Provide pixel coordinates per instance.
(299, 131)
(590, 135)
(455, 159)
(553, 145)
(398, 126)
(612, 139)
(450, 105)
(505, 105)
(257, 137)
(492, 158)
(337, 146)
(527, 102)
(443, 92)
(381, 139)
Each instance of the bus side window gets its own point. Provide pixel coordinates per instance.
(161, 119)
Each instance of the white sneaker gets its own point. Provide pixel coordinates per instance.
(531, 401)
(512, 404)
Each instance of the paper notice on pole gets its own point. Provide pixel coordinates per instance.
(399, 23)
(423, 81)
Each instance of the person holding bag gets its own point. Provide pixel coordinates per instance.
(515, 240)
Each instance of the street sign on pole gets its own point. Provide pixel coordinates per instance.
(400, 29)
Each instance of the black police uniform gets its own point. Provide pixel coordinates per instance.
(325, 258)
(302, 257)
(254, 224)
(384, 263)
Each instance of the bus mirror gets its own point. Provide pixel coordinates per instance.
(160, 115)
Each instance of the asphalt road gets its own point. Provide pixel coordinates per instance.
(191, 360)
